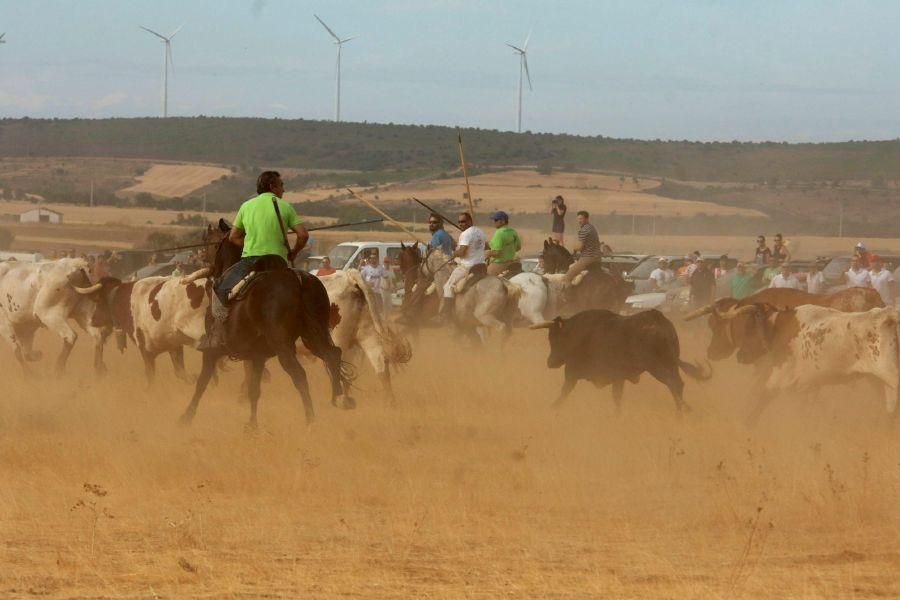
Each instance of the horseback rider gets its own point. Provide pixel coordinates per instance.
(439, 238)
(260, 228)
(588, 246)
(469, 253)
(504, 245)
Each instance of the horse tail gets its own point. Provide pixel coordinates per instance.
(397, 348)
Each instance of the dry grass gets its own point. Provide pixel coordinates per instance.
(176, 180)
(472, 487)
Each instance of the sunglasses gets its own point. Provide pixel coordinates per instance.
(433, 222)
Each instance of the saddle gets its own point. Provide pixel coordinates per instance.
(476, 273)
(240, 277)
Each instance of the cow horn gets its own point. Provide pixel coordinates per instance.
(88, 290)
(544, 325)
(198, 274)
(734, 311)
(696, 314)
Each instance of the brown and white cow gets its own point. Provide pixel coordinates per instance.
(359, 325)
(727, 332)
(805, 348)
(49, 294)
(159, 314)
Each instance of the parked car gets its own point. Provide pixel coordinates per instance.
(640, 275)
(349, 255)
(838, 265)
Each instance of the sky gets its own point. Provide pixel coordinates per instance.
(783, 70)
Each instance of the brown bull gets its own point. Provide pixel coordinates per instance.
(728, 333)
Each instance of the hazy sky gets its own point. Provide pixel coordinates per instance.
(796, 70)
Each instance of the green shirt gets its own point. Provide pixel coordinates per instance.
(505, 241)
(740, 285)
(260, 224)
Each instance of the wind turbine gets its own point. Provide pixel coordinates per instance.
(167, 59)
(2, 41)
(338, 42)
(523, 69)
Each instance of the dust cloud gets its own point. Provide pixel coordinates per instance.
(471, 486)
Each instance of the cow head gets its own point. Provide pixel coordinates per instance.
(726, 327)
(562, 341)
(755, 326)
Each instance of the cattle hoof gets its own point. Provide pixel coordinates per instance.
(348, 403)
(251, 428)
(186, 420)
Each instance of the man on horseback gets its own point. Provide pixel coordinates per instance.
(588, 247)
(469, 253)
(504, 245)
(260, 229)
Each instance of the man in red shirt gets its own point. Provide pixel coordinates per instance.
(325, 268)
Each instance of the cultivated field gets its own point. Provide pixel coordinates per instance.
(471, 487)
(529, 191)
(173, 181)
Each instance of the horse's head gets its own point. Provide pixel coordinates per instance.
(219, 252)
(410, 259)
(556, 258)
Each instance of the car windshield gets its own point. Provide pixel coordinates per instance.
(339, 255)
(643, 270)
(836, 268)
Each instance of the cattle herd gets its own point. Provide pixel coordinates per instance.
(796, 342)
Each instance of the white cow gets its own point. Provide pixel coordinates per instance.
(804, 348)
(159, 314)
(48, 294)
(360, 326)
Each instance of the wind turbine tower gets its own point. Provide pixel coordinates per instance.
(167, 58)
(338, 42)
(523, 71)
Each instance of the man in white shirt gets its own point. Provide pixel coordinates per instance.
(815, 280)
(785, 279)
(857, 276)
(469, 252)
(883, 281)
(662, 274)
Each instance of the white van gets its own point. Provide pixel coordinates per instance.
(29, 257)
(349, 255)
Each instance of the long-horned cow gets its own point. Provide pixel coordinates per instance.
(805, 348)
(49, 294)
(728, 330)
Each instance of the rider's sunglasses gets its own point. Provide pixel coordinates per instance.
(433, 222)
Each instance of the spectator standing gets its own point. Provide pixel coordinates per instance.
(857, 276)
(772, 269)
(558, 214)
(662, 275)
(439, 237)
(588, 246)
(815, 280)
(373, 274)
(785, 279)
(741, 282)
(761, 258)
(703, 284)
(388, 281)
(539, 269)
(722, 270)
(865, 257)
(178, 271)
(883, 281)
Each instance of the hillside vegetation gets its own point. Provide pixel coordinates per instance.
(374, 147)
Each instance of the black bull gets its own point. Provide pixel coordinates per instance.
(608, 349)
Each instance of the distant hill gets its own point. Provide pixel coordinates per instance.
(250, 143)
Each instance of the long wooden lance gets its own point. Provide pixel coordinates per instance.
(462, 161)
(436, 213)
(386, 216)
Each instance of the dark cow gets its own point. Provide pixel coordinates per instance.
(605, 348)
(727, 332)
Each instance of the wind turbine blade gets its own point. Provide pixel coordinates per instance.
(2, 35)
(527, 37)
(160, 36)
(327, 28)
(176, 31)
(516, 48)
(527, 74)
(348, 39)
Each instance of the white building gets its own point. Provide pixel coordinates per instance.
(40, 215)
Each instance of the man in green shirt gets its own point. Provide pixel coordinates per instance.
(741, 282)
(258, 231)
(503, 245)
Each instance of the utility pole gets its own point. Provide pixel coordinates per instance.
(841, 220)
(632, 223)
(204, 206)
(91, 211)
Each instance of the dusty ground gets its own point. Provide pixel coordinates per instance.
(471, 487)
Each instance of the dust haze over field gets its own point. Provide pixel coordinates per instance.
(472, 486)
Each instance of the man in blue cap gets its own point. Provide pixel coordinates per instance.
(503, 245)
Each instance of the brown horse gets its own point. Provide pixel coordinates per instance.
(280, 306)
(597, 289)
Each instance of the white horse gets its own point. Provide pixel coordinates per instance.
(485, 306)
